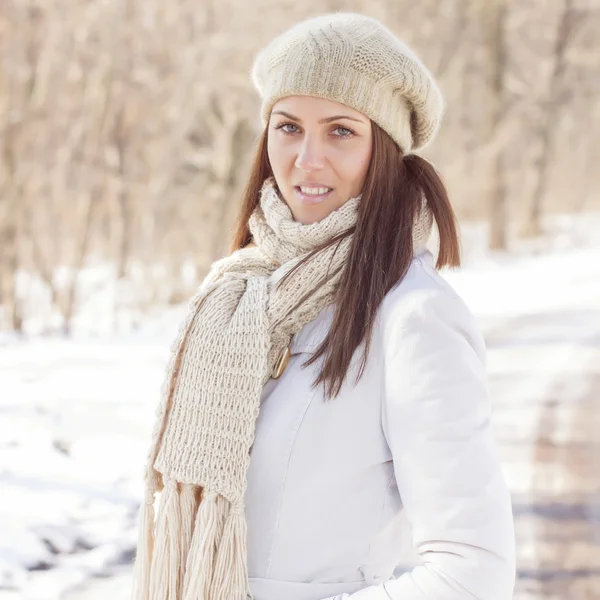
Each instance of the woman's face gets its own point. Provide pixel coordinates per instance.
(320, 152)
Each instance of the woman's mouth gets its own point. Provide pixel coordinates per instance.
(312, 195)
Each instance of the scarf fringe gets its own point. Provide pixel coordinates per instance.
(189, 506)
(230, 577)
(205, 541)
(145, 547)
(192, 551)
(164, 566)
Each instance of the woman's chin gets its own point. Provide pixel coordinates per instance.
(309, 213)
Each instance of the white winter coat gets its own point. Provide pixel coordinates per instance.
(338, 490)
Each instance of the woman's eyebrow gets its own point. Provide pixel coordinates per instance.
(321, 121)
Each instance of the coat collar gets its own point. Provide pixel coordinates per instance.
(309, 338)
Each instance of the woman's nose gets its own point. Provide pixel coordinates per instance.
(310, 155)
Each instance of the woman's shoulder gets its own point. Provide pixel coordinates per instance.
(421, 280)
(423, 297)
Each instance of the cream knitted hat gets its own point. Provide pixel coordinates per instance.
(357, 61)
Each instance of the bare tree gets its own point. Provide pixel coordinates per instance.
(17, 82)
(494, 15)
(567, 25)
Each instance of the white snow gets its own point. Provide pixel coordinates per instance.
(75, 415)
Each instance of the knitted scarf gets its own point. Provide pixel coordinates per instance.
(238, 326)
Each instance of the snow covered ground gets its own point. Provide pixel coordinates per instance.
(75, 416)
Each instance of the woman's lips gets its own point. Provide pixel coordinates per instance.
(311, 198)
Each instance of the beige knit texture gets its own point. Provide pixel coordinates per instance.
(238, 324)
(357, 61)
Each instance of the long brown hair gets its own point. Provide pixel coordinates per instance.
(381, 250)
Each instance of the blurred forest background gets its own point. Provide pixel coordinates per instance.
(126, 129)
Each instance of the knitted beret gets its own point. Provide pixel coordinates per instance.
(357, 61)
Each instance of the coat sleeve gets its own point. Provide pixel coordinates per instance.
(436, 419)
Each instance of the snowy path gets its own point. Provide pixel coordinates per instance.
(547, 415)
(75, 418)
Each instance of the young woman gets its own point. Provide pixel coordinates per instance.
(328, 385)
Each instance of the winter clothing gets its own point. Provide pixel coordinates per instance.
(238, 328)
(399, 473)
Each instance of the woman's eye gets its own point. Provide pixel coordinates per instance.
(286, 125)
(344, 132)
